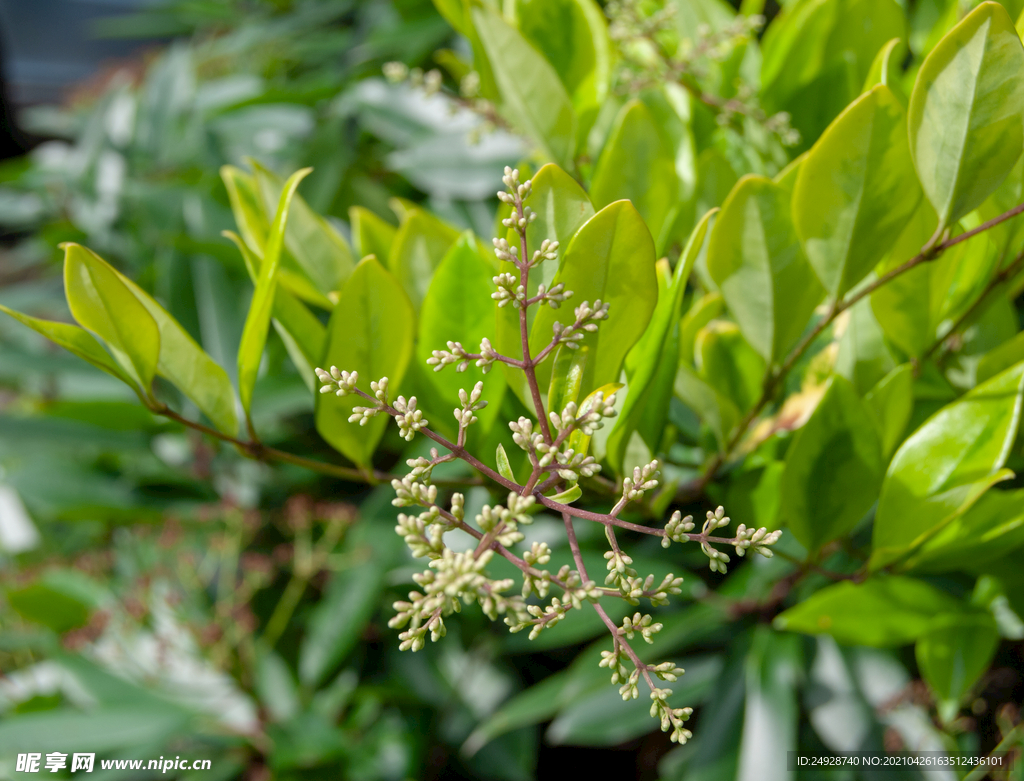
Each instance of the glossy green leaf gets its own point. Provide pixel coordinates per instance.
(610, 258)
(318, 251)
(855, 191)
(504, 468)
(883, 611)
(75, 340)
(965, 114)
(638, 164)
(755, 259)
(657, 351)
(421, 243)
(300, 330)
(370, 332)
(886, 69)
(944, 466)
(562, 207)
(530, 88)
(51, 605)
(458, 308)
(891, 403)
(786, 178)
(953, 655)
(569, 495)
(728, 363)
(257, 322)
(991, 528)
(371, 235)
(116, 726)
(567, 369)
(101, 302)
(833, 470)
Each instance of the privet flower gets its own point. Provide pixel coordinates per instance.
(452, 579)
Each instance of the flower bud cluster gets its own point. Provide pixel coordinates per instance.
(471, 403)
(455, 353)
(555, 296)
(643, 479)
(509, 290)
(336, 381)
(641, 623)
(677, 529)
(519, 223)
(586, 322)
(672, 719)
(548, 251)
(409, 419)
(758, 539)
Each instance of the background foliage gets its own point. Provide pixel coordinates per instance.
(165, 594)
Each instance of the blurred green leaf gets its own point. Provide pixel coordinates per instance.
(883, 611)
(953, 655)
(275, 686)
(529, 86)
(371, 235)
(891, 403)
(729, 364)
(419, 247)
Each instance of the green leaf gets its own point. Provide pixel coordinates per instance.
(886, 69)
(569, 495)
(75, 340)
(771, 713)
(247, 206)
(371, 235)
(531, 90)
(701, 312)
(337, 621)
(50, 604)
(562, 207)
(566, 376)
(312, 247)
(458, 308)
(855, 191)
(863, 358)
(944, 466)
(964, 118)
(755, 259)
(638, 164)
(833, 469)
(891, 403)
(180, 359)
(610, 258)
(419, 247)
(257, 322)
(121, 726)
(573, 36)
(102, 303)
(953, 656)
(729, 364)
(275, 686)
(713, 408)
(991, 528)
(504, 468)
(1001, 358)
(650, 386)
(302, 333)
(370, 331)
(883, 611)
